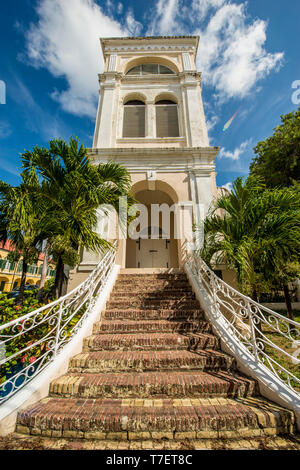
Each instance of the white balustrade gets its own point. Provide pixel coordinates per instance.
(251, 324)
(31, 342)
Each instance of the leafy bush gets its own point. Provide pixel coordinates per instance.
(9, 311)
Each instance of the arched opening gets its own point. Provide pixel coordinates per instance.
(161, 66)
(155, 246)
(4, 284)
(166, 118)
(134, 119)
(150, 69)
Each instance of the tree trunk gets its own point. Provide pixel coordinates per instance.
(59, 277)
(44, 272)
(20, 297)
(64, 285)
(254, 294)
(288, 302)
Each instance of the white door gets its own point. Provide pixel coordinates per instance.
(153, 253)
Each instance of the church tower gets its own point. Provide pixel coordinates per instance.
(150, 119)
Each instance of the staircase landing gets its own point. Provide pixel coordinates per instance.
(152, 376)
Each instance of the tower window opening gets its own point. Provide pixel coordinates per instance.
(166, 119)
(150, 69)
(134, 119)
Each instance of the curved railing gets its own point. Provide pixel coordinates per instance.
(29, 343)
(271, 338)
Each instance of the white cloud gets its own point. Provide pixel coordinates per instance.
(202, 7)
(5, 130)
(211, 122)
(232, 54)
(8, 167)
(134, 27)
(37, 119)
(236, 153)
(165, 18)
(65, 40)
(227, 186)
(120, 8)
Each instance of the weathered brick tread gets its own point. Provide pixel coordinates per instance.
(147, 326)
(169, 277)
(157, 314)
(146, 341)
(143, 303)
(153, 384)
(102, 361)
(174, 294)
(81, 417)
(153, 288)
(18, 441)
(152, 375)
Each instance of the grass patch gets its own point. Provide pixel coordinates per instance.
(284, 344)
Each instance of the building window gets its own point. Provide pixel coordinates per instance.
(150, 69)
(166, 119)
(134, 119)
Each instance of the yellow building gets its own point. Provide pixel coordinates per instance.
(10, 273)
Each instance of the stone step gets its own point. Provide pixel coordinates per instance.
(150, 326)
(127, 314)
(153, 384)
(152, 285)
(143, 303)
(150, 341)
(168, 295)
(181, 276)
(138, 361)
(265, 441)
(117, 419)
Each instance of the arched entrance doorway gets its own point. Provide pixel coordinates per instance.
(156, 247)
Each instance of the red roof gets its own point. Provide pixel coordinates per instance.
(8, 245)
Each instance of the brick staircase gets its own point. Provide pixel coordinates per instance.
(152, 371)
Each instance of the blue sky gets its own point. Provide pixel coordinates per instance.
(50, 57)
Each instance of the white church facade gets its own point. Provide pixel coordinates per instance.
(151, 120)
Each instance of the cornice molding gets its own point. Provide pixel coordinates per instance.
(109, 77)
(200, 160)
(131, 48)
(154, 140)
(190, 78)
(167, 150)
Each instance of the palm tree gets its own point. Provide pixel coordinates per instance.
(72, 189)
(252, 230)
(20, 219)
(44, 269)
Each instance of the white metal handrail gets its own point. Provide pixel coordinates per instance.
(48, 329)
(246, 320)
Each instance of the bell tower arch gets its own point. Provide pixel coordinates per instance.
(151, 120)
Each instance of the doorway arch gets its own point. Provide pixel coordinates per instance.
(156, 247)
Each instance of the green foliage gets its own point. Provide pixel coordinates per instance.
(286, 272)
(61, 247)
(21, 219)
(13, 256)
(9, 311)
(71, 190)
(278, 157)
(251, 230)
